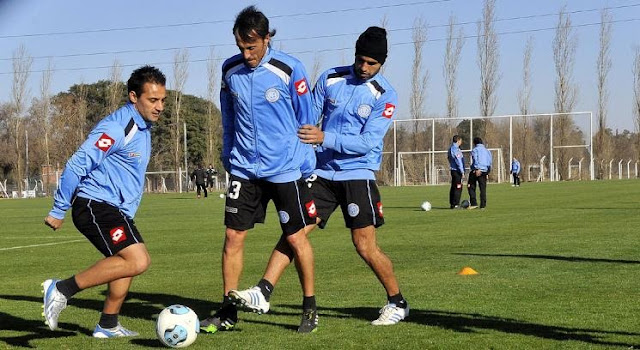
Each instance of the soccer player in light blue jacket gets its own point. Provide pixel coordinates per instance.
(357, 105)
(480, 167)
(456, 167)
(103, 184)
(265, 97)
(515, 171)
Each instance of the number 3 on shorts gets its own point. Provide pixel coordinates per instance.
(234, 191)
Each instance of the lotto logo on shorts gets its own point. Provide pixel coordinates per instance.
(311, 209)
(380, 212)
(118, 235)
(388, 110)
(105, 142)
(301, 87)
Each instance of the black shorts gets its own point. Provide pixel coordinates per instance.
(247, 201)
(359, 200)
(104, 225)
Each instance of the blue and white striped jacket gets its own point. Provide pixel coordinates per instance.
(356, 116)
(109, 166)
(262, 110)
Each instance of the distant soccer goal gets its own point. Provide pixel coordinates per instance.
(549, 146)
(432, 167)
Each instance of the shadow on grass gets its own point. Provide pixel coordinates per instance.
(34, 329)
(555, 257)
(472, 323)
(138, 305)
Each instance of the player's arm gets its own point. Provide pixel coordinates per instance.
(372, 132)
(105, 139)
(228, 126)
(301, 96)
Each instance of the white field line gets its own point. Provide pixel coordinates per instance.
(41, 245)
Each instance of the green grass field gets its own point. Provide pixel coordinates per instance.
(558, 264)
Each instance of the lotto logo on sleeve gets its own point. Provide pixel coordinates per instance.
(118, 235)
(105, 142)
(388, 110)
(311, 209)
(301, 87)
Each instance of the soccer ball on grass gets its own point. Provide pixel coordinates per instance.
(177, 326)
(426, 206)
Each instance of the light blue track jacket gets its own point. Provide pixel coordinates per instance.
(109, 166)
(262, 110)
(356, 116)
(456, 160)
(515, 166)
(481, 158)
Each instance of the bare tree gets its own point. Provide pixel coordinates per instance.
(115, 87)
(603, 66)
(384, 22)
(566, 92)
(315, 69)
(488, 59)
(45, 117)
(213, 141)
(419, 79)
(21, 67)
(180, 74)
(636, 99)
(453, 49)
(82, 108)
(524, 98)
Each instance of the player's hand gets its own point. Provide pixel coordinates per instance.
(53, 222)
(478, 172)
(310, 134)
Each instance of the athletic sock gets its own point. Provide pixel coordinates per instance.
(309, 303)
(397, 299)
(68, 287)
(266, 288)
(108, 320)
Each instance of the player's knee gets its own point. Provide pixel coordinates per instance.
(141, 264)
(297, 239)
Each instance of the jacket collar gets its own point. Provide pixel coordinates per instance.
(137, 118)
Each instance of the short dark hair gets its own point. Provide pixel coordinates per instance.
(142, 75)
(249, 20)
(477, 141)
(456, 138)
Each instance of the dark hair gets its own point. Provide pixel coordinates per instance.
(477, 141)
(456, 138)
(142, 75)
(249, 20)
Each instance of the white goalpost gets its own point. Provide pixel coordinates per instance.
(557, 146)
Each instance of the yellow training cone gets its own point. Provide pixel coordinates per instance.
(467, 271)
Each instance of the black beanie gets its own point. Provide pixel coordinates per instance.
(373, 43)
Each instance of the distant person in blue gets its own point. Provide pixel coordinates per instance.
(103, 184)
(480, 167)
(456, 166)
(515, 171)
(358, 105)
(264, 99)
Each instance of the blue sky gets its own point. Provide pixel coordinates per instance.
(93, 36)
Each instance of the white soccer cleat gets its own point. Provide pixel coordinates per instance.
(115, 332)
(54, 303)
(251, 298)
(391, 314)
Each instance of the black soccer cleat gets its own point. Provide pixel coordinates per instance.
(309, 322)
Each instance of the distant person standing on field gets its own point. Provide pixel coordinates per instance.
(456, 165)
(480, 167)
(515, 171)
(199, 175)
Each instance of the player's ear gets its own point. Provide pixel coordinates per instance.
(133, 97)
